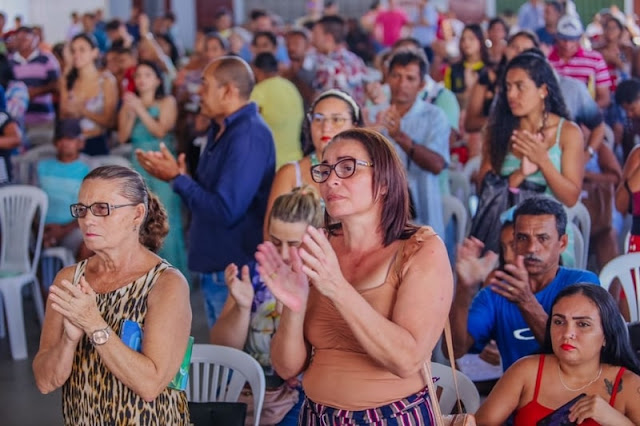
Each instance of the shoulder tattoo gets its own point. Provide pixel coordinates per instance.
(609, 384)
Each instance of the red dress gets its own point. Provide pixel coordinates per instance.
(532, 412)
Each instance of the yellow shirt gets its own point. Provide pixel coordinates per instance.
(281, 107)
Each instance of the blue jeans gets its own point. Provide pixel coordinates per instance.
(215, 293)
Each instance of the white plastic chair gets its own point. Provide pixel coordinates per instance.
(52, 260)
(579, 247)
(459, 185)
(471, 167)
(213, 365)
(623, 268)
(453, 208)
(579, 215)
(123, 150)
(18, 207)
(25, 164)
(469, 395)
(627, 238)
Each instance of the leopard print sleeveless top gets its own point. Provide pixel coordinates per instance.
(94, 396)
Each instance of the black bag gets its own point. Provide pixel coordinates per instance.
(218, 413)
(495, 198)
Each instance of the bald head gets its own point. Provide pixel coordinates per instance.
(235, 71)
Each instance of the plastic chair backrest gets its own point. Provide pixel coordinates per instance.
(578, 247)
(459, 186)
(108, 160)
(213, 365)
(469, 395)
(625, 268)
(471, 167)
(27, 162)
(122, 150)
(627, 238)
(453, 208)
(18, 207)
(579, 215)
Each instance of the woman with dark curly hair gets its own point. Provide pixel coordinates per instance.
(529, 136)
(103, 380)
(530, 143)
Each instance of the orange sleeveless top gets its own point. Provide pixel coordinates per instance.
(532, 412)
(341, 374)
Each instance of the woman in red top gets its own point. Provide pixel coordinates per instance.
(582, 353)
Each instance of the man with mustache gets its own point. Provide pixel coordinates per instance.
(513, 307)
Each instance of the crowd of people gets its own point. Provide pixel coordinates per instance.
(297, 174)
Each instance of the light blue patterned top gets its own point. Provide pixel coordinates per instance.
(427, 126)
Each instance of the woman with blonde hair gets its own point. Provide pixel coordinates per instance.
(251, 313)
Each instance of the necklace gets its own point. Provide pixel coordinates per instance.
(580, 388)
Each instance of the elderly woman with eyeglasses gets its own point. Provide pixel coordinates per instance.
(331, 112)
(82, 349)
(365, 299)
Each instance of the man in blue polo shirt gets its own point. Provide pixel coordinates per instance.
(513, 308)
(228, 195)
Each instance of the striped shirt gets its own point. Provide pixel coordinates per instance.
(587, 66)
(38, 70)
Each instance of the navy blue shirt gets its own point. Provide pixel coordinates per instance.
(545, 36)
(228, 197)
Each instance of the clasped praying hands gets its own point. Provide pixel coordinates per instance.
(532, 148)
(78, 306)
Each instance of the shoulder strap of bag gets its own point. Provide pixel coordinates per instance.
(452, 360)
(435, 404)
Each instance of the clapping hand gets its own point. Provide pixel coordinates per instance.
(241, 288)
(132, 102)
(162, 164)
(321, 263)
(74, 106)
(287, 283)
(391, 121)
(531, 147)
(471, 267)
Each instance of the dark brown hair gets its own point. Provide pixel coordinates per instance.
(132, 187)
(389, 175)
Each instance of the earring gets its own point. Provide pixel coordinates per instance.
(135, 228)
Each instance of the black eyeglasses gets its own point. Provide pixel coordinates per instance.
(97, 209)
(344, 168)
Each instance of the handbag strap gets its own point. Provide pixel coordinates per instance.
(452, 360)
(435, 404)
(426, 369)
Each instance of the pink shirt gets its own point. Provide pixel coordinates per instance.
(391, 22)
(587, 66)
